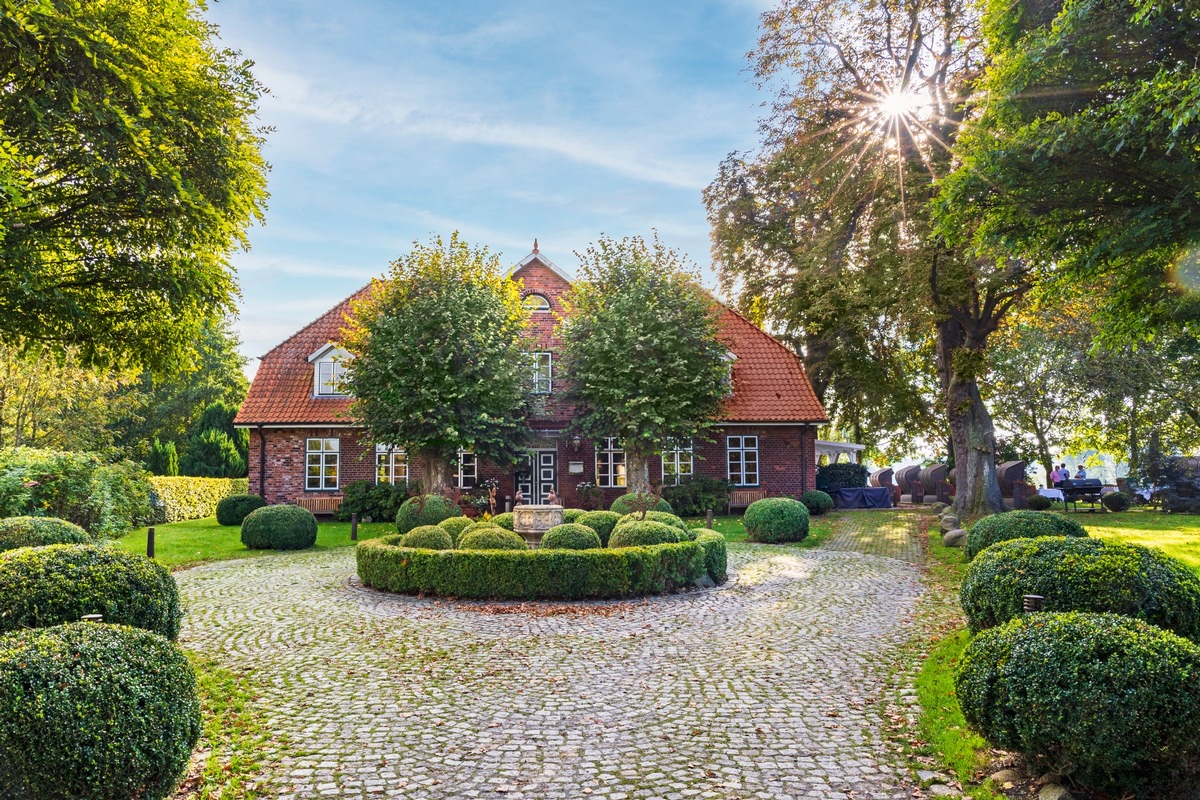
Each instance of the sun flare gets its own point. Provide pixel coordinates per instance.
(900, 103)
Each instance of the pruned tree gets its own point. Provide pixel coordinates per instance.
(641, 350)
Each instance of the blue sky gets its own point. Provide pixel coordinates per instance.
(505, 121)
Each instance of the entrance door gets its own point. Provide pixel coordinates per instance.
(537, 475)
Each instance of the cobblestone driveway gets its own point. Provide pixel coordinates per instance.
(764, 689)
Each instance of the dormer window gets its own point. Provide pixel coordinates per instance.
(329, 371)
(536, 302)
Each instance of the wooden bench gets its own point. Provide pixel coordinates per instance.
(320, 504)
(742, 498)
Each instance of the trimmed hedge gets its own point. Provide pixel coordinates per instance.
(716, 553)
(491, 538)
(232, 510)
(1019, 525)
(1116, 501)
(602, 522)
(504, 520)
(104, 712)
(1039, 503)
(817, 502)
(644, 534)
(570, 536)
(477, 525)
(455, 526)
(429, 537)
(1075, 574)
(279, 528)
(39, 531)
(776, 519)
(626, 504)
(540, 574)
(844, 475)
(654, 516)
(572, 514)
(430, 510)
(45, 586)
(177, 498)
(1107, 700)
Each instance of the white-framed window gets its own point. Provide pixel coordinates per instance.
(610, 464)
(536, 303)
(321, 464)
(678, 459)
(391, 464)
(742, 455)
(467, 473)
(330, 375)
(543, 372)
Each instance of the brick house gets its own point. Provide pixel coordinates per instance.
(303, 446)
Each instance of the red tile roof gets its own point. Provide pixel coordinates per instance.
(769, 382)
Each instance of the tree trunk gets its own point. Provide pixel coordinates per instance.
(1044, 454)
(637, 471)
(1135, 444)
(435, 471)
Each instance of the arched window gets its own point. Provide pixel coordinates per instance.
(536, 302)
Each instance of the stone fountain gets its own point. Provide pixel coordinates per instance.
(531, 522)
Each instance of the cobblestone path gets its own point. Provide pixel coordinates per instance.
(762, 689)
(894, 534)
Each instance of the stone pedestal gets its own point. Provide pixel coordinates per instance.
(533, 521)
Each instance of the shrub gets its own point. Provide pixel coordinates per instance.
(842, 475)
(373, 502)
(429, 510)
(1039, 503)
(491, 538)
(1116, 501)
(44, 586)
(1108, 700)
(817, 502)
(1075, 574)
(694, 496)
(428, 537)
(182, 498)
(283, 527)
(602, 522)
(234, 508)
(104, 712)
(530, 574)
(654, 516)
(477, 525)
(456, 526)
(628, 503)
(643, 534)
(163, 458)
(572, 514)
(716, 553)
(776, 519)
(570, 536)
(38, 531)
(1019, 525)
(504, 520)
(212, 454)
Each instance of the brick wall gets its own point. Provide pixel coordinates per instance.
(286, 461)
(539, 279)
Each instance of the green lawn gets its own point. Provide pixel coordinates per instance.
(731, 528)
(1177, 534)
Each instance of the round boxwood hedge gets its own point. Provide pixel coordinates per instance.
(776, 519)
(504, 520)
(1019, 525)
(491, 538)
(1107, 700)
(572, 514)
(234, 508)
(91, 710)
(455, 526)
(1116, 501)
(429, 537)
(428, 510)
(1039, 503)
(1075, 574)
(570, 536)
(628, 503)
(817, 502)
(541, 574)
(283, 527)
(45, 586)
(644, 533)
(602, 522)
(716, 553)
(654, 516)
(39, 531)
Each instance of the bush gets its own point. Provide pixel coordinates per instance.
(44, 586)
(455, 526)
(163, 458)
(1109, 701)
(602, 522)
(628, 503)
(1075, 574)
(234, 508)
(504, 520)
(817, 502)
(1039, 503)
(491, 538)
(373, 502)
(104, 712)
(181, 498)
(530, 574)
(428, 537)
(570, 536)
(279, 528)
(716, 553)
(654, 516)
(572, 514)
(1019, 525)
(38, 531)
(843, 475)
(1116, 501)
(694, 496)
(428, 510)
(644, 534)
(776, 519)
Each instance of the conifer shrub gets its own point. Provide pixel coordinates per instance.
(628, 503)
(775, 520)
(283, 527)
(1019, 525)
(570, 536)
(428, 510)
(39, 531)
(644, 533)
(429, 537)
(491, 538)
(602, 522)
(233, 509)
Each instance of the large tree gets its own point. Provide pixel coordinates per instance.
(130, 167)
(438, 358)
(641, 350)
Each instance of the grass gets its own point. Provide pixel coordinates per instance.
(1176, 534)
(820, 528)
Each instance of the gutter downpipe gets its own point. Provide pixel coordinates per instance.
(262, 461)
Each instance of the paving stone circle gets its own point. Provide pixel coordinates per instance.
(767, 688)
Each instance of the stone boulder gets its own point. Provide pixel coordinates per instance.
(950, 522)
(954, 538)
(938, 508)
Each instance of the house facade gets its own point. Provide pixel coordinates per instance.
(304, 445)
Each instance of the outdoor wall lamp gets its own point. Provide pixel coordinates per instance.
(576, 442)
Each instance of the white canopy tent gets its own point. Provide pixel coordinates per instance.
(835, 451)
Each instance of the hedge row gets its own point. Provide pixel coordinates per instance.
(536, 574)
(179, 498)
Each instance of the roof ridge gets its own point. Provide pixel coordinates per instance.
(319, 318)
